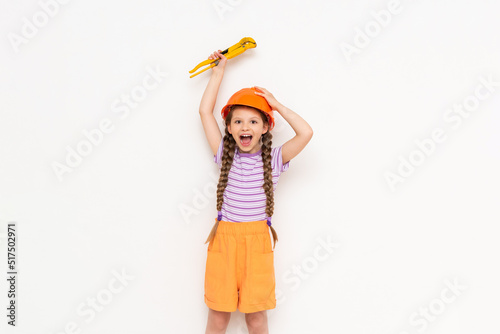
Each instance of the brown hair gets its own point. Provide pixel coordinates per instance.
(227, 161)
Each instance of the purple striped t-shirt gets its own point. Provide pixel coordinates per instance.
(244, 197)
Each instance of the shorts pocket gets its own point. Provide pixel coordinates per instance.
(262, 279)
(216, 277)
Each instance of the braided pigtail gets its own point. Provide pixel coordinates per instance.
(267, 140)
(227, 161)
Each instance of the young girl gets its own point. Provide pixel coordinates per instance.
(239, 270)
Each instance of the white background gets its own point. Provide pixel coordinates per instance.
(121, 208)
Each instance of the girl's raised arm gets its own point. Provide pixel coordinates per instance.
(208, 102)
(303, 131)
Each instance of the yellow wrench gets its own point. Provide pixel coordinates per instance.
(240, 47)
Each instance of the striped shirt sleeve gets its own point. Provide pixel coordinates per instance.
(277, 160)
(218, 156)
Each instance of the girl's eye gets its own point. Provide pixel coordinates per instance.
(252, 121)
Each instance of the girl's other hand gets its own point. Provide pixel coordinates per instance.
(219, 68)
(271, 100)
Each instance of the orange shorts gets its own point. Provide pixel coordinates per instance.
(240, 268)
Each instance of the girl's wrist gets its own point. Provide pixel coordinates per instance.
(218, 72)
(280, 107)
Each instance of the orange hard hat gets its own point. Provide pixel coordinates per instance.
(247, 97)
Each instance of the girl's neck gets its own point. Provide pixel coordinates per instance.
(244, 154)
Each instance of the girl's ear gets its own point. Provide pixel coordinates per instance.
(265, 128)
(229, 129)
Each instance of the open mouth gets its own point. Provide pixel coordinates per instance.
(245, 140)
